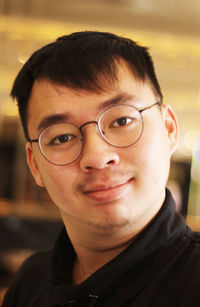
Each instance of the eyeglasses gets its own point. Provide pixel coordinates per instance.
(120, 126)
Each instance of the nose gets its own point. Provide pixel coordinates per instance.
(96, 153)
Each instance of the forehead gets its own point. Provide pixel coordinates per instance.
(49, 99)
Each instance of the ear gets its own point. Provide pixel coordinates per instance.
(172, 127)
(33, 165)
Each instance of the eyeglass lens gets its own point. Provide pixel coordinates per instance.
(120, 126)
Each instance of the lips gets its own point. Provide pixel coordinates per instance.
(108, 192)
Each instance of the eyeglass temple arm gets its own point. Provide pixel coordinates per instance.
(32, 141)
(158, 102)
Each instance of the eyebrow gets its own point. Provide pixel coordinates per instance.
(119, 98)
(51, 120)
(58, 118)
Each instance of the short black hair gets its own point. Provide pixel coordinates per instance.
(77, 60)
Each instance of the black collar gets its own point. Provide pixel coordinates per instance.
(164, 228)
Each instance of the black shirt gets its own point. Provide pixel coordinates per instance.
(160, 268)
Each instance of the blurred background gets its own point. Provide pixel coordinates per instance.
(170, 28)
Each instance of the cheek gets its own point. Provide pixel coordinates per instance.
(151, 157)
(59, 182)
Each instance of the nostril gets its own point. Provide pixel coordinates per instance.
(97, 158)
(111, 162)
(89, 168)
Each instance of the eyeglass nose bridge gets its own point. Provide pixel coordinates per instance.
(99, 129)
(87, 123)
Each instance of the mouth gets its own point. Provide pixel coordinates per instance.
(105, 193)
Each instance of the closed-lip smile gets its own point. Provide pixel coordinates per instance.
(108, 192)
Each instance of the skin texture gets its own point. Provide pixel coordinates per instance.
(108, 195)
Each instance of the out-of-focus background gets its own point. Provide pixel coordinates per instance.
(171, 29)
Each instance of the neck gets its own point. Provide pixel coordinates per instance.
(89, 260)
(94, 251)
(95, 247)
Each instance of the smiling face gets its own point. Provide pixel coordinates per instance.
(107, 189)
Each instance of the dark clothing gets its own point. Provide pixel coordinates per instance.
(161, 268)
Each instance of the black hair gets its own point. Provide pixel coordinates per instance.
(79, 61)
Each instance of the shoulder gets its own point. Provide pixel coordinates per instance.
(188, 269)
(186, 250)
(193, 249)
(181, 258)
(186, 263)
(193, 239)
(35, 266)
(194, 236)
(36, 262)
(31, 275)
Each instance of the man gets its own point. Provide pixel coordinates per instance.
(99, 140)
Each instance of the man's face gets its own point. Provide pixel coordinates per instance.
(107, 189)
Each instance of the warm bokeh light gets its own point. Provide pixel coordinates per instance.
(190, 139)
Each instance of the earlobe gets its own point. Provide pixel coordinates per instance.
(172, 127)
(33, 165)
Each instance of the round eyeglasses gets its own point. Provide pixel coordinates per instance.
(120, 126)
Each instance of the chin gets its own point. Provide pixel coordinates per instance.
(110, 226)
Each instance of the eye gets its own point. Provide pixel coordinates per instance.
(122, 121)
(63, 138)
